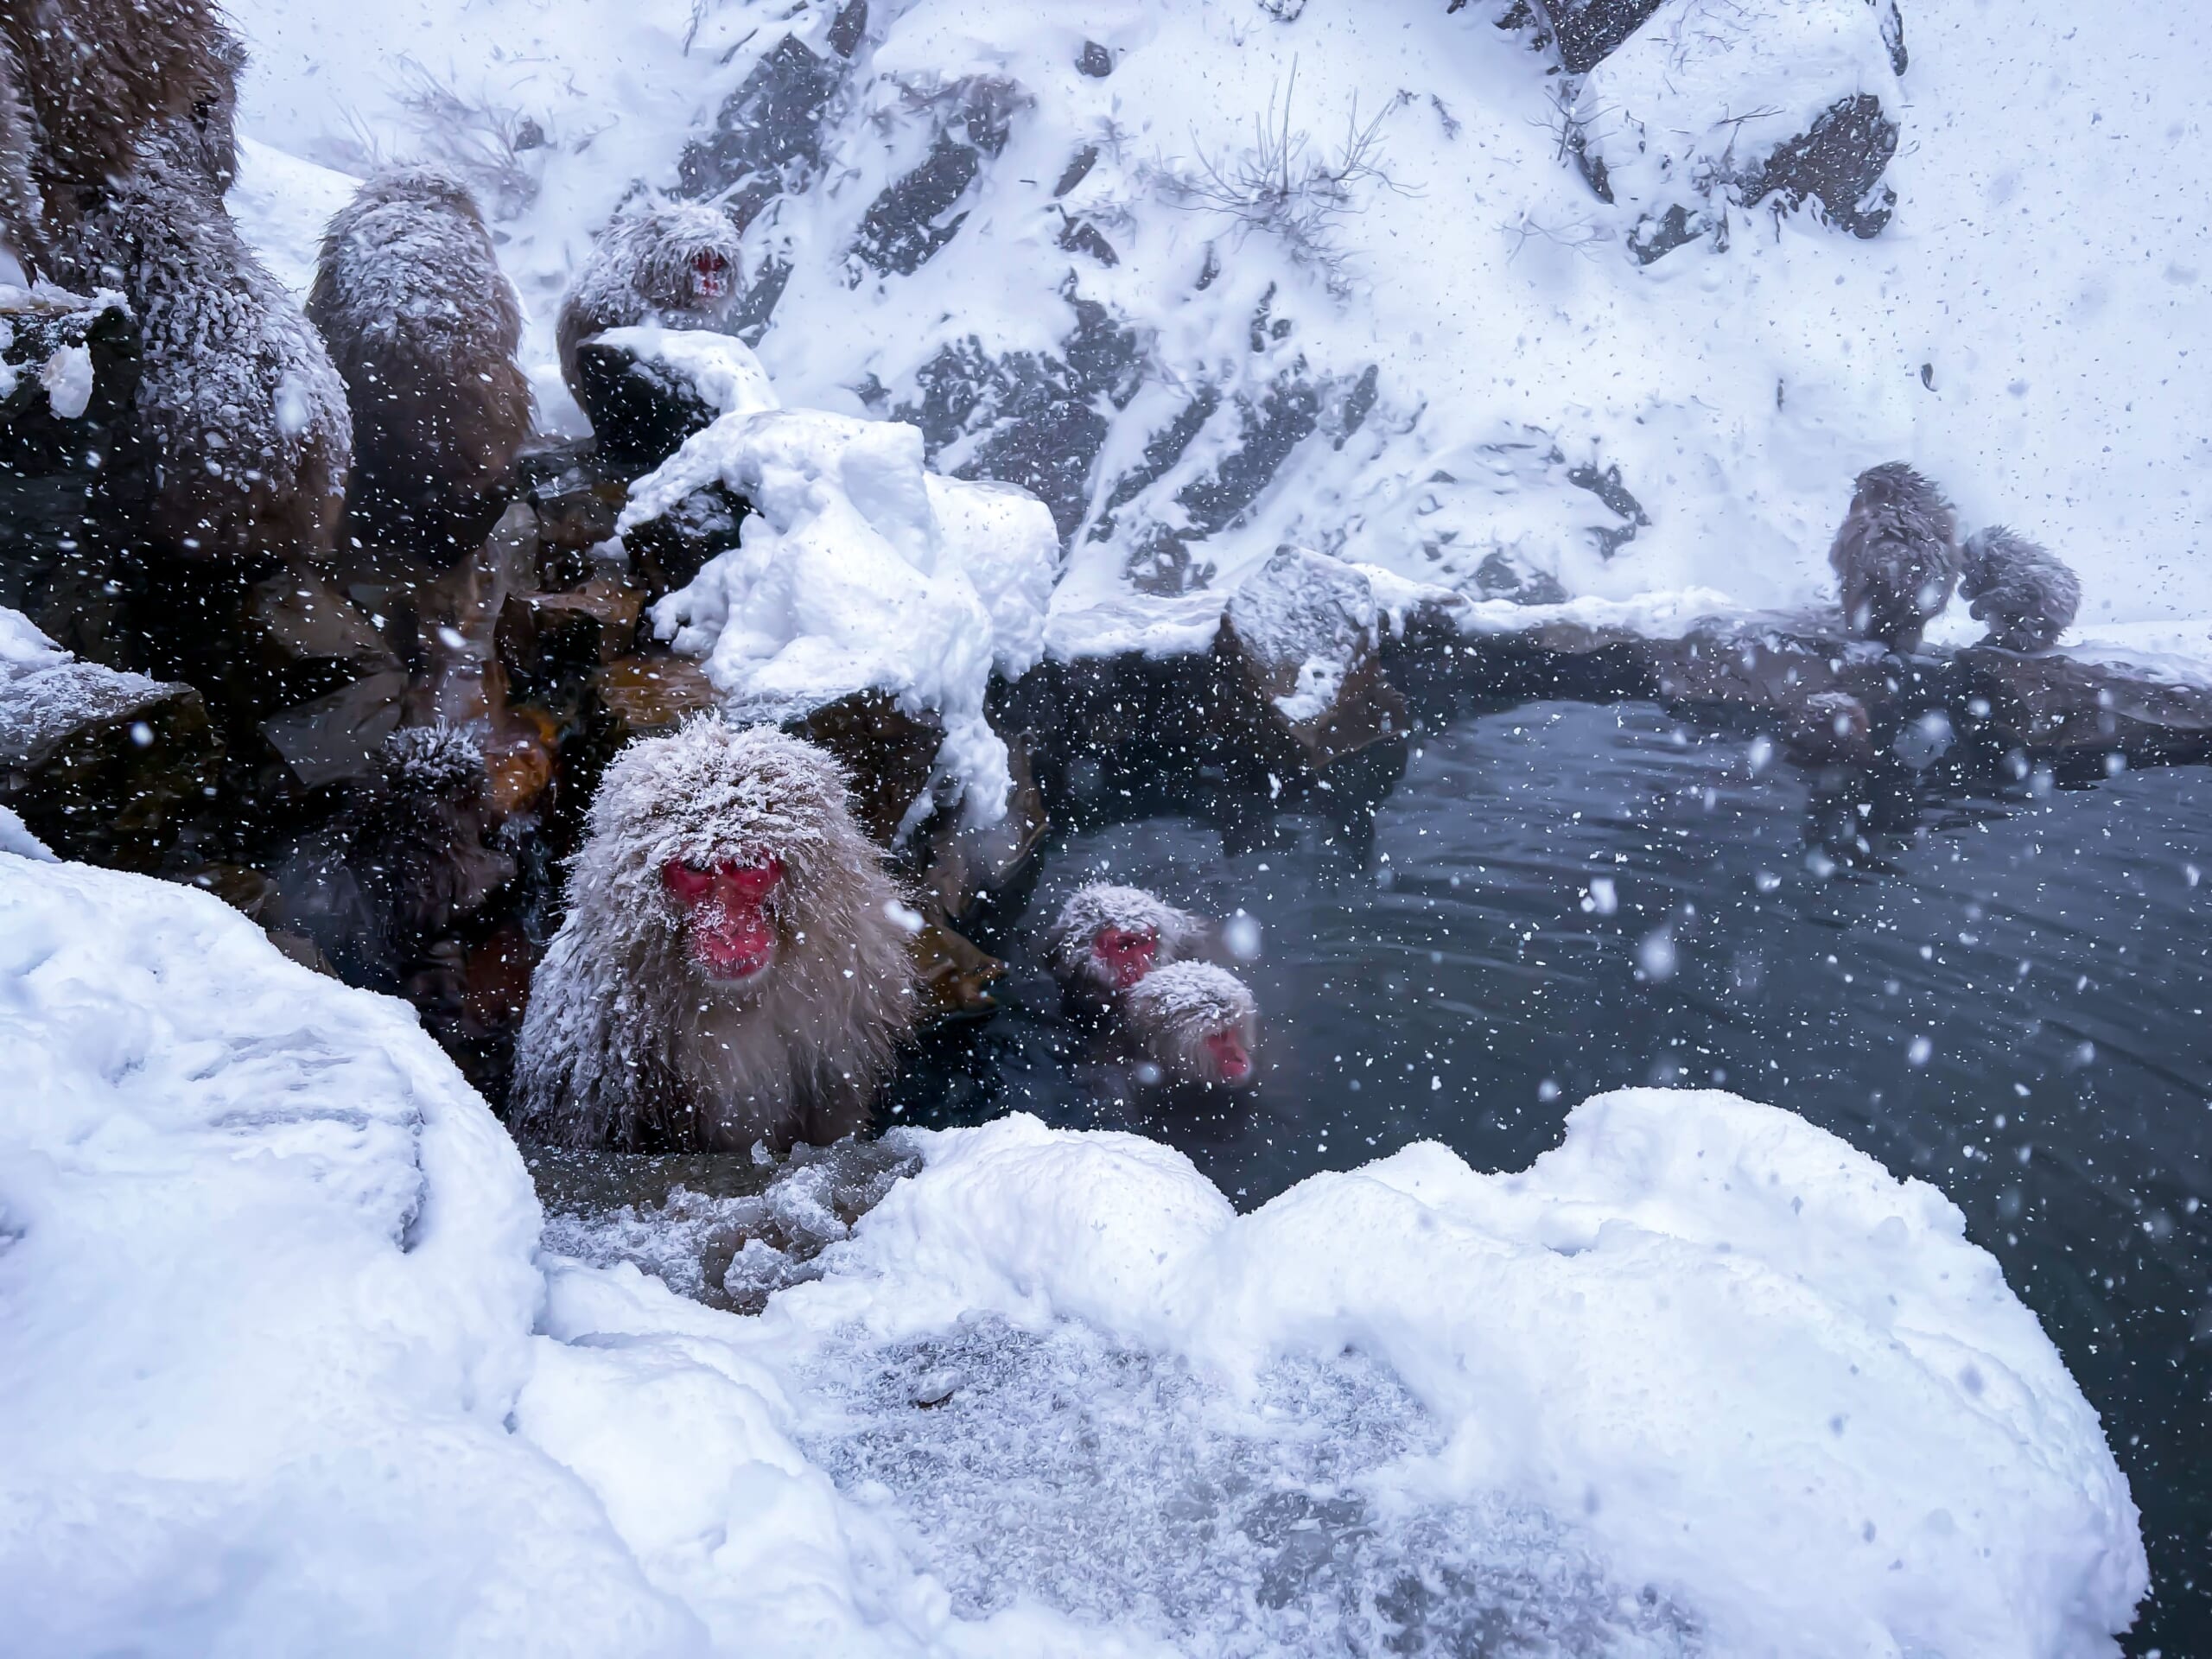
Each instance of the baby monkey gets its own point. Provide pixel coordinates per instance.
(2025, 594)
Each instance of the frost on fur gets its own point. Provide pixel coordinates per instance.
(2025, 593)
(238, 395)
(1179, 1012)
(1101, 904)
(1896, 556)
(423, 329)
(652, 266)
(628, 1044)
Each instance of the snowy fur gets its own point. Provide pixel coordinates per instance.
(2025, 593)
(97, 74)
(237, 397)
(640, 271)
(627, 1045)
(1896, 556)
(1173, 1010)
(1101, 904)
(423, 329)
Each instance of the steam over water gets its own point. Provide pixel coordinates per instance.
(2003, 993)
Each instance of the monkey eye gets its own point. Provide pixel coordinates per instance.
(708, 264)
(1125, 941)
(685, 881)
(753, 881)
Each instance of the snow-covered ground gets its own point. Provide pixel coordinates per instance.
(284, 1376)
(967, 225)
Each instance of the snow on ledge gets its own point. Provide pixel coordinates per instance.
(282, 1375)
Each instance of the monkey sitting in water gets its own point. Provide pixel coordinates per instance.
(1896, 556)
(423, 329)
(732, 969)
(1107, 938)
(677, 265)
(2025, 594)
(1198, 1023)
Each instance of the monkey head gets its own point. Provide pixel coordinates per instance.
(688, 262)
(1198, 1022)
(1107, 939)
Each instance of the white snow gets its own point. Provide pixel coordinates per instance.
(283, 1376)
(857, 569)
(720, 368)
(1514, 339)
(66, 374)
(46, 693)
(283, 204)
(15, 837)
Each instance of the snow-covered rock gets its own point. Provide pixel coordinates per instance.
(647, 388)
(1714, 102)
(857, 570)
(1300, 638)
(283, 1376)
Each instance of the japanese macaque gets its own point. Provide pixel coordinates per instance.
(1896, 556)
(237, 397)
(677, 265)
(1107, 938)
(733, 968)
(1196, 1022)
(423, 329)
(2025, 594)
(96, 76)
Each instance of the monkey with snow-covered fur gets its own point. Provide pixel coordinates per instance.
(677, 265)
(1896, 556)
(1106, 938)
(1198, 1023)
(733, 968)
(423, 329)
(2025, 593)
(236, 396)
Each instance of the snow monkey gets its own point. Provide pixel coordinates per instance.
(1196, 1021)
(1107, 938)
(1896, 556)
(2026, 595)
(732, 969)
(423, 329)
(237, 397)
(675, 264)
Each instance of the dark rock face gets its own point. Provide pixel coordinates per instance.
(668, 552)
(888, 753)
(639, 411)
(1838, 162)
(768, 135)
(1586, 30)
(552, 643)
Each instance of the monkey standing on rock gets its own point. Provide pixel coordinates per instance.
(677, 265)
(732, 969)
(2026, 595)
(1896, 556)
(423, 329)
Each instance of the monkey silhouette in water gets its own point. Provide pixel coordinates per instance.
(2025, 594)
(1896, 556)
(423, 329)
(732, 969)
(1198, 1023)
(1107, 938)
(236, 396)
(677, 265)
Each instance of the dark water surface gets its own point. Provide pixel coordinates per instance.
(2001, 992)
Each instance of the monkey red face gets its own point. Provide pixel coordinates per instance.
(727, 926)
(709, 275)
(1231, 1057)
(1125, 955)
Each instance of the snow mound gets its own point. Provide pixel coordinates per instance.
(857, 569)
(1701, 1379)
(281, 206)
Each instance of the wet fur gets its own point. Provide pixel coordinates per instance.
(236, 396)
(640, 271)
(1173, 1010)
(2026, 594)
(423, 329)
(1896, 556)
(627, 1045)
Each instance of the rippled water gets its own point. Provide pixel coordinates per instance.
(2003, 993)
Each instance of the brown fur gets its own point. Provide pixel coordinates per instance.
(628, 1044)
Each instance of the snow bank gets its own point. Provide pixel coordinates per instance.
(857, 568)
(1701, 1379)
(281, 206)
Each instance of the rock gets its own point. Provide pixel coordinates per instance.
(551, 644)
(669, 551)
(336, 736)
(578, 493)
(1718, 103)
(104, 767)
(459, 678)
(952, 978)
(300, 639)
(644, 696)
(2062, 705)
(966, 864)
(639, 411)
(1299, 649)
(1586, 30)
(889, 753)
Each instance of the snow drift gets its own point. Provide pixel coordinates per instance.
(283, 1376)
